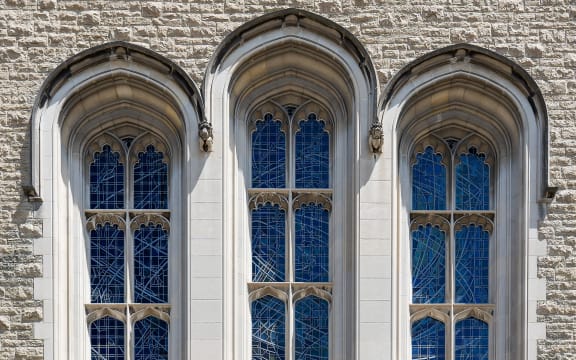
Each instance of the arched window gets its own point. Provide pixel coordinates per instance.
(293, 92)
(451, 226)
(290, 202)
(109, 139)
(470, 131)
(128, 220)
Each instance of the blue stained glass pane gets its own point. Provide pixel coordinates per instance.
(472, 259)
(428, 181)
(472, 182)
(312, 250)
(428, 265)
(106, 180)
(312, 154)
(268, 243)
(151, 339)
(107, 339)
(268, 154)
(471, 340)
(311, 328)
(268, 329)
(107, 264)
(150, 264)
(150, 180)
(428, 340)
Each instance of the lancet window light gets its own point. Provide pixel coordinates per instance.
(451, 239)
(128, 224)
(290, 207)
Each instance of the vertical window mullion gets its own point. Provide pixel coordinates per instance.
(290, 325)
(290, 240)
(129, 352)
(452, 257)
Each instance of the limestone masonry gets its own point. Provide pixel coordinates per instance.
(37, 36)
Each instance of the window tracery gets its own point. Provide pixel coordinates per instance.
(290, 207)
(128, 221)
(451, 236)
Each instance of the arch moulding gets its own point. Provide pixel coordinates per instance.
(290, 57)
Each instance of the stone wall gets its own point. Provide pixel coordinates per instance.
(36, 36)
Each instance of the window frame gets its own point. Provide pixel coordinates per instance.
(499, 99)
(290, 198)
(449, 312)
(130, 219)
(133, 312)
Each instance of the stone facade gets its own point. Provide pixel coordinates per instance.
(37, 36)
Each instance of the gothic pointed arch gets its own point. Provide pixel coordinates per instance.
(294, 79)
(118, 75)
(445, 110)
(111, 130)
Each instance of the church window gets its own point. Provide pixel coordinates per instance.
(451, 234)
(128, 223)
(290, 207)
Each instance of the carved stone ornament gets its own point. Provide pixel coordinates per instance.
(376, 138)
(205, 134)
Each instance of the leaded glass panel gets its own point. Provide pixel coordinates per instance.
(150, 264)
(471, 340)
(312, 250)
(150, 180)
(106, 180)
(290, 226)
(268, 243)
(428, 340)
(428, 265)
(312, 154)
(268, 154)
(311, 329)
(428, 181)
(472, 261)
(107, 264)
(268, 329)
(107, 339)
(151, 339)
(472, 182)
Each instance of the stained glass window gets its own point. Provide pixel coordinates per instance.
(311, 329)
(472, 182)
(106, 180)
(429, 181)
(428, 340)
(312, 154)
(428, 265)
(150, 265)
(150, 180)
(290, 233)
(107, 264)
(107, 338)
(141, 253)
(151, 339)
(472, 252)
(268, 328)
(268, 154)
(268, 243)
(471, 340)
(312, 244)
(452, 223)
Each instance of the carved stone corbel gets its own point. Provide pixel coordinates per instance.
(376, 138)
(206, 136)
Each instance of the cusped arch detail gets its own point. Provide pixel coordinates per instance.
(467, 79)
(293, 49)
(123, 80)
